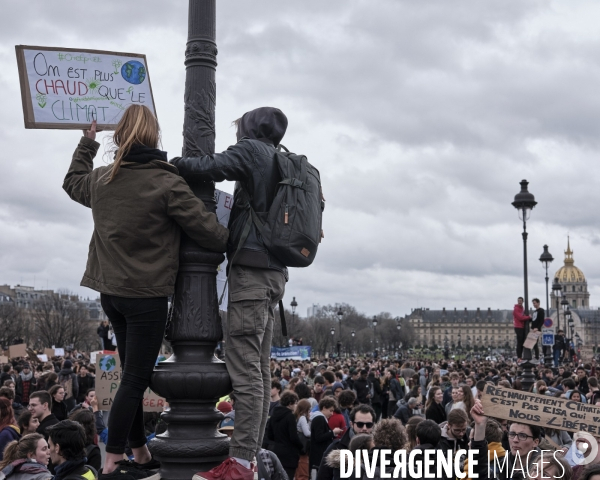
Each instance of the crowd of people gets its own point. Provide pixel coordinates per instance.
(317, 409)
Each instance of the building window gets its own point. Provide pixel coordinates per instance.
(583, 303)
(575, 303)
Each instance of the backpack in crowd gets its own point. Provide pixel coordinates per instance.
(292, 229)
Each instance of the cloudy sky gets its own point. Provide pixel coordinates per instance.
(423, 117)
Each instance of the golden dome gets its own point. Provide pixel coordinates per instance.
(569, 273)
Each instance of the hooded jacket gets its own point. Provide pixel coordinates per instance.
(450, 443)
(282, 433)
(329, 468)
(138, 217)
(519, 317)
(252, 163)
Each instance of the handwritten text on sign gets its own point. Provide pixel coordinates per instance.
(108, 379)
(64, 88)
(535, 409)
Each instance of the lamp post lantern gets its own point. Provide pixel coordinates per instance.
(353, 333)
(193, 379)
(557, 290)
(293, 304)
(375, 332)
(524, 202)
(340, 315)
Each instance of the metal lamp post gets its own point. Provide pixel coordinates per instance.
(375, 332)
(546, 259)
(294, 304)
(524, 202)
(353, 333)
(193, 379)
(557, 290)
(340, 315)
(332, 336)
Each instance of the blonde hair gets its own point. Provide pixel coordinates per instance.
(18, 449)
(138, 125)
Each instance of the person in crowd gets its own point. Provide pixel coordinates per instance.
(405, 412)
(457, 398)
(9, 393)
(318, 388)
(411, 432)
(9, 430)
(27, 423)
(276, 390)
(66, 443)
(428, 438)
(519, 319)
(321, 435)
(582, 380)
(40, 406)
(26, 385)
(88, 399)
(134, 287)
(302, 414)
(282, 433)
(465, 400)
(559, 347)
(590, 472)
(337, 420)
(548, 466)
(537, 321)
(253, 163)
(434, 409)
(346, 400)
(376, 399)
(455, 432)
(92, 451)
(59, 408)
(85, 382)
(362, 420)
(26, 459)
(102, 331)
(575, 396)
(6, 374)
(454, 382)
(560, 437)
(68, 380)
(363, 387)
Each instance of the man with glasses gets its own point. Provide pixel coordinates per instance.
(362, 419)
(40, 406)
(455, 432)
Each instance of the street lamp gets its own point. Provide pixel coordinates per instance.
(294, 304)
(375, 331)
(524, 202)
(557, 290)
(546, 259)
(353, 333)
(340, 315)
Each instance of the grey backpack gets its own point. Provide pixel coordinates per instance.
(292, 229)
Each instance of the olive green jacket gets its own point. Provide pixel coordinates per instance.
(138, 217)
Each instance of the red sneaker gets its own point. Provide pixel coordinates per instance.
(228, 470)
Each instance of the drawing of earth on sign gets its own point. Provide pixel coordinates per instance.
(134, 72)
(108, 363)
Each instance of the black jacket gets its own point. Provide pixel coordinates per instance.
(45, 424)
(326, 471)
(321, 437)
(84, 384)
(363, 390)
(282, 433)
(59, 410)
(436, 412)
(252, 163)
(537, 319)
(404, 413)
(377, 390)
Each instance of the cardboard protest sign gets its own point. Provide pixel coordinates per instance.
(67, 88)
(531, 339)
(43, 358)
(59, 352)
(3, 359)
(17, 350)
(108, 378)
(49, 352)
(535, 409)
(224, 203)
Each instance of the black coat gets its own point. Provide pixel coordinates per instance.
(321, 437)
(251, 162)
(59, 410)
(282, 433)
(363, 390)
(326, 471)
(84, 384)
(404, 413)
(436, 412)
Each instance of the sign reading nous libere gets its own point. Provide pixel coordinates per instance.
(535, 409)
(67, 88)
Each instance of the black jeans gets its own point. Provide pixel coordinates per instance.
(139, 326)
(520, 341)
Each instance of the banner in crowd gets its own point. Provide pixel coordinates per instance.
(69, 88)
(15, 351)
(224, 203)
(108, 378)
(291, 353)
(536, 409)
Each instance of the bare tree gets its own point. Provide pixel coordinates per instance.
(61, 320)
(13, 325)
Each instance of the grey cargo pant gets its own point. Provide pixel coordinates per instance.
(253, 294)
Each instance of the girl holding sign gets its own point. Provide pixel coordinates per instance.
(139, 204)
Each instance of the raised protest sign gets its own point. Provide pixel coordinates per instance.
(531, 339)
(3, 359)
(291, 353)
(67, 88)
(17, 350)
(43, 358)
(535, 409)
(224, 202)
(108, 378)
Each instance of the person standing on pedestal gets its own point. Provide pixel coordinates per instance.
(519, 319)
(140, 205)
(537, 321)
(256, 278)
